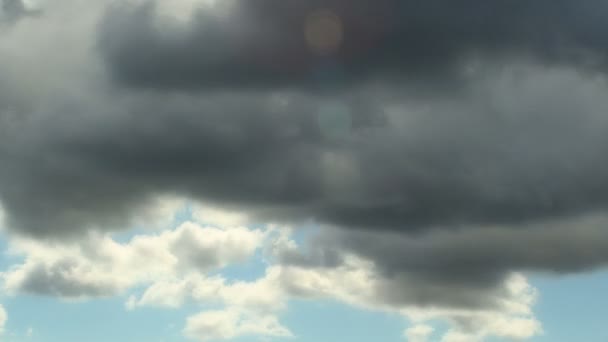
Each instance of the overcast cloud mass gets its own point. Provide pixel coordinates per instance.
(440, 148)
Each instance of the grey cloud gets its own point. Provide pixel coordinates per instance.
(99, 266)
(522, 145)
(401, 288)
(480, 158)
(475, 253)
(12, 11)
(466, 268)
(61, 279)
(317, 253)
(96, 171)
(262, 43)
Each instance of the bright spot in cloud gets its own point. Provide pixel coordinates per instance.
(182, 10)
(324, 32)
(419, 333)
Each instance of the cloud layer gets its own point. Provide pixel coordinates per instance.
(441, 149)
(99, 266)
(180, 266)
(274, 43)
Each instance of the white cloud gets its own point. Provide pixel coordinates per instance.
(232, 323)
(263, 295)
(418, 333)
(100, 266)
(356, 282)
(172, 266)
(174, 292)
(456, 336)
(250, 308)
(213, 215)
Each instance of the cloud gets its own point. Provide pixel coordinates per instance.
(511, 317)
(219, 217)
(262, 295)
(230, 324)
(174, 293)
(488, 168)
(314, 43)
(439, 154)
(379, 155)
(171, 268)
(101, 267)
(12, 11)
(62, 279)
(480, 255)
(472, 311)
(248, 308)
(418, 333)
(505, 311)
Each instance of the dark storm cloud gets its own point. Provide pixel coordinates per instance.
(523, 144)
(484, 254)
(94, 169)
(514, 149)
(464, 268)
(263, 43)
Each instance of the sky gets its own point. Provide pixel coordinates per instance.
(303, 170)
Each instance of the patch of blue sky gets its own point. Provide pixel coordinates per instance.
(329, 321)
(572, 308)
(104, 320)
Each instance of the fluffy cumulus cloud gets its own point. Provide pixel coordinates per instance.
(253, 308)
(228, 324)
(441, 149)
(171, 268)
(100, 266)
(472, 312)
(418, 333)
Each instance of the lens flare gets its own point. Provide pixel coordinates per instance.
(323, 32)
